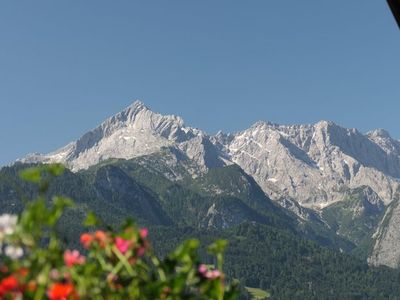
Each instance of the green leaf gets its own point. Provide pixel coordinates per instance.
(127, 223)
(55, 169)
(192, 244)
(31, 175)
(62, 202)
(91, 220)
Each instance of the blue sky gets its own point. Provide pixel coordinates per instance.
(67, 65)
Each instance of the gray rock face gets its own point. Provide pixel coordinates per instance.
(220, 218)
(386, 249)
(134, 132)
(312, 164)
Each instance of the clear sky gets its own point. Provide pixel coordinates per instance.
(67, 65)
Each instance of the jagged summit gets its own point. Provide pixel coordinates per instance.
(379, 132)
(261, 123)
(133, 132)
(269, 124)
(137, 104)
(325, 123)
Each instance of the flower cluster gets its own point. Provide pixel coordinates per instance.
(205, 272)
(9, 284)
(134, 243)
(14, 284)
(73, 258)
(8, 226)
(62, 291)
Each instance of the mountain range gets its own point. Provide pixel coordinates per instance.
(324, 170)
(272, 186)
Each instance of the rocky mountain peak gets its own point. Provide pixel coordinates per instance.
(139, 112)
(137, 105)
(389, 145)
(263, 124)
(379, 133)
(324, 124)
(133, 132)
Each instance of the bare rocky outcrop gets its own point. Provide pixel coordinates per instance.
(313, 164)
(134, 132)
(386, 250)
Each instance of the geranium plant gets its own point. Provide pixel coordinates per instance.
(34, 264)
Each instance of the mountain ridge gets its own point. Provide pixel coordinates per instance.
(300, 167)
(288, 160)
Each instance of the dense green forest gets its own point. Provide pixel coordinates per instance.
(290, 267)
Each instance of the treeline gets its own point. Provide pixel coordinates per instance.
(287, 266)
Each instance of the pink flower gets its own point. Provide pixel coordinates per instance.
(73, 258)
(214, 274)
(202, 269)
(209, 274)
(122, 244)
(143, 233)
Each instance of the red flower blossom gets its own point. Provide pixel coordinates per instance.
(8, 284)
(61, 291)
(101, 238)
(23, 272)
(86, 240)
